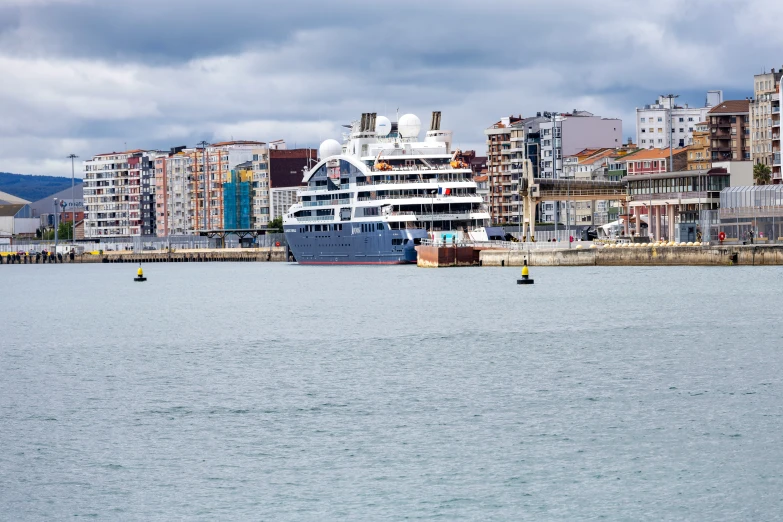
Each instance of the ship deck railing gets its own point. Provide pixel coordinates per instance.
(419, 196)
(419, 168)
(326, 202)
(315, 218)
(401, 181)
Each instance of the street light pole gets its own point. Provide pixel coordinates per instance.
(73, 199)
(206, 207)
(55, 226)
(649, 211)
(671, 98)
(554, 169)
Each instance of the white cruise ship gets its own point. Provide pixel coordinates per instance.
(371, 199)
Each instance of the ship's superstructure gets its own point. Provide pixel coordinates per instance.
(371, 199)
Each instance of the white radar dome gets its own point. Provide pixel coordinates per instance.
(382, 126)
(329, 148)
(409, 126)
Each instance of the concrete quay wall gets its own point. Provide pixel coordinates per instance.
(756, 255)
(276, 254)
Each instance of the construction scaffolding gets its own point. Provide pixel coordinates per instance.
(237, 199)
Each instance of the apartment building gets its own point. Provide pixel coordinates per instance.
(260, 185)
(504, 204)
(565, 134)
(653, 121)
(699, 155)
(209, 166)
(777, 139)
(543, 139)
(765, 121)
(730, 131)
(280, 200)
(277, 176)
(654, 161)
(587, 165)
(189, 183)
(173, 188)
(119, 194)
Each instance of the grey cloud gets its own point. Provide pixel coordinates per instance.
(99, 73)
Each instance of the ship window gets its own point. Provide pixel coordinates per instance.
(380, 226)
(396, 241)
(417, 241)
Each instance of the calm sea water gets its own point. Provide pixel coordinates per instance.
(283, 392)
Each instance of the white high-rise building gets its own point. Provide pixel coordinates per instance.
(652, 121)
(765, 121)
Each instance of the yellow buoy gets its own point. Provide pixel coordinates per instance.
(525, 276)
(139, 275)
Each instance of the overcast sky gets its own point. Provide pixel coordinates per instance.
(95, 76)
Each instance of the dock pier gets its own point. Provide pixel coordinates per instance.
(437, 256)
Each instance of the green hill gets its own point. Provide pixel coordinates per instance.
(32, 188)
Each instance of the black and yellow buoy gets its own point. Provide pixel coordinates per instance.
(139, 275)
(525, 276)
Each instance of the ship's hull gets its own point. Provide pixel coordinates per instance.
(352, 246)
